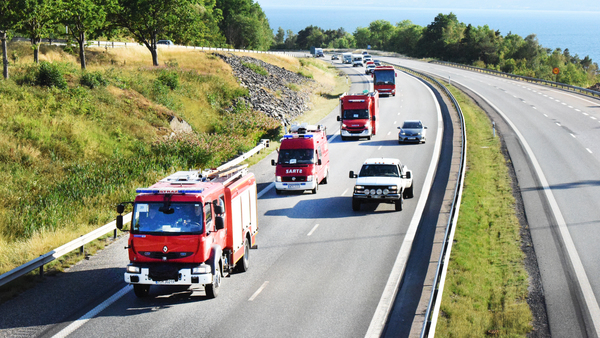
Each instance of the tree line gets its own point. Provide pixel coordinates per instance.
(221, 23)
(450, 40)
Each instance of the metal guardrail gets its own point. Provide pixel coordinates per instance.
(581, 90)
(435, 300)
(42, 260)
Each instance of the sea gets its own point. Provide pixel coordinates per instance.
(576, 30)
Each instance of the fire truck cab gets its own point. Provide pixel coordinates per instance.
(303, 159)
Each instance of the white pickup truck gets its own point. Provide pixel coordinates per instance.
(382, 180)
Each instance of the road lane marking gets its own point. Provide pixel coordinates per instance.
(577, 110)
(572, 135)
(593, 118)
(84, 319)
(260, 289)
(588, 149)
(586, 114)
(545, 115)
(262, 192)
(313, 230)
(345, 191)
(558, 124)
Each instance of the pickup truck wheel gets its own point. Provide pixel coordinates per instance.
(398, 204)
(355, 204)
(141, 290)
(212, 290)
(409, 192)
(245, 261)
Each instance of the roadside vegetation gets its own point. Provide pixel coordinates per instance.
(74, 143)
(486, 285)
(448, 39)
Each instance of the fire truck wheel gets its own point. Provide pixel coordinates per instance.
(212, 290)
(277, 191)
(368, 138)
(245, 262)
(343, 138)
(141, 290)
(398, 204)
(324, 181)
(314, 191)
(355, 204)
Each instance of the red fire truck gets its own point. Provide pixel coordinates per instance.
(384, 80)
(192, 228)
(303, 161)
(359, 115)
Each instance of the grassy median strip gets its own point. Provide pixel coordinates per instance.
(486, 286)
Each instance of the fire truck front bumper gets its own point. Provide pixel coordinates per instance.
(351, 133)
(295, 185)
(201, 274)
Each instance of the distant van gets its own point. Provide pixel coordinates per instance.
(357, 60)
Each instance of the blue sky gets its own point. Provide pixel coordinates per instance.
(554, 5)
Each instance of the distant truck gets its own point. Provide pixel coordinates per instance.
(303, 160)
(316, 52)
(347, 58)
(359, 115)
(384, 80)
(357, 60)
(192, 228)
(382, 180)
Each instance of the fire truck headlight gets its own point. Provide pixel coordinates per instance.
(309, 178)
(202, 269)
(343, 126)
(278, 178)
(133, 269)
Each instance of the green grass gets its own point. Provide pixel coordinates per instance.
(486, 286)
(256, 68)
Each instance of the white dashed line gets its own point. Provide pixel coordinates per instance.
(534, 107)
(571, 107)
(572, 135)
(389, 132)
(262, 287)
(564, 104)
(345, 191)
(545, 115)
(593, 118)
(586, 114)
(395, 122)
(588, 149)
(313, 230)
(577, 110)
(380, 147)
(558, 124)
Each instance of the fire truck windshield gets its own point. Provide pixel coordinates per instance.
(384, 77)
(296, 156)
(358, 114)
(186, 218)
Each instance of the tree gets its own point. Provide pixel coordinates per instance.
(362, 36)
(279, 36)
(36, 20)
(290, 40)
(147, 20)
(8, 21)
(381, 33)
(244, 24)
(441, 38)
(405, 38)
(84, 19)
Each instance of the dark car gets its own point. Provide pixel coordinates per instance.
(165, 42)
(335, 57)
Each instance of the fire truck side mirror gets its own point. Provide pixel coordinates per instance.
(374, 117)
(120, 208)
(218, 209)
(120, 222)
(319, 162)
(396, 74)
(273, 162)
(219, 223)
(372, 75)
(339, 118)
(352, 175)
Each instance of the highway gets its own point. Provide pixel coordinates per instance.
(319, 271)
(553, 140)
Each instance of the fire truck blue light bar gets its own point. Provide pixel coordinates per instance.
(169, 191)
(297, 136)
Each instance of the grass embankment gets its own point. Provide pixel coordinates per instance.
(486, 285)
(70, 153)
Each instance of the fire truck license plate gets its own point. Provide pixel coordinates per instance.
(293, 186)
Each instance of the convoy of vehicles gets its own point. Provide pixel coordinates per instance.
(384, 80)
(412, 131)
(357, 60)
(382, 180)
(192, 228)
(359, 115)
(303, 160)
(370, 66)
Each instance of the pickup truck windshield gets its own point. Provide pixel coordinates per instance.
(379, 170)
(186, 218)
(355, 114)
(296, 156)
(384, 77)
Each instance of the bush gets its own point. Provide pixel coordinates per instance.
(50, 75)
(169, 79)
(256, 68)
(93, 80)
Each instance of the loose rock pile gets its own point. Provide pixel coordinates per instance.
(595, 87)
(270, 94)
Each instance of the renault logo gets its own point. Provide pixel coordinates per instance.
(165, 249)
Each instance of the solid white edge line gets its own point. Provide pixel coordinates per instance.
(260, 289)
(389, 293)
(584, 284)
(313, 229)
(92, 313)
(264, 191)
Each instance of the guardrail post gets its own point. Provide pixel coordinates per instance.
(115, 234)
(41, 275)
